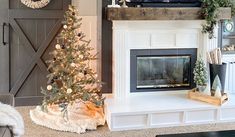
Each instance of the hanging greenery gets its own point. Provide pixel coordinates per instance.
(210, 13)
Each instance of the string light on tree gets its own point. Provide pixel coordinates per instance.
(65, 26)
(49, 87)
(80, 75)
(73, 65)
(69, 90)
(57, 46)
(81, 56)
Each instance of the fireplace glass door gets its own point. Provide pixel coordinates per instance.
(163, 71)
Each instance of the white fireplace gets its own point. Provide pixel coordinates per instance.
(129, 35)
(127, 110)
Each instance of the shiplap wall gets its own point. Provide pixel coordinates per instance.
(90, 11)
(87, 7)
(230, 75)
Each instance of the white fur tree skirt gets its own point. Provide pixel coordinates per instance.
(81, 117)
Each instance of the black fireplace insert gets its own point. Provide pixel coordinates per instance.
(162, 69)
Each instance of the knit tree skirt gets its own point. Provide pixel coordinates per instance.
(81, 117)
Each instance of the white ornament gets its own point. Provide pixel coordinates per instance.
(69, 90)
(73, 64)
(57, 46)
(80, 75)
(81, 56)
(35, 4)
(65, 26)
(49, 87)
(218, 92)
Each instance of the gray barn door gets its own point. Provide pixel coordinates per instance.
(4, 47)
(31, 37)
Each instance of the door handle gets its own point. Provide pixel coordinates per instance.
(3, 33)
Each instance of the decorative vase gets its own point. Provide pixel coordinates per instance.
(219, 70)
(201, 88)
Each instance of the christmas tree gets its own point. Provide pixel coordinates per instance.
(71, 79)
(200, 73)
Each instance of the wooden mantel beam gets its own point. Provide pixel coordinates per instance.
(132, 13)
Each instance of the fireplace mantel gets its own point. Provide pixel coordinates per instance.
(132, 13)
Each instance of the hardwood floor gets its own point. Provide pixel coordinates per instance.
(203, 134)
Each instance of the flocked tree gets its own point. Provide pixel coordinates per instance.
(71, 78)
(200, 72)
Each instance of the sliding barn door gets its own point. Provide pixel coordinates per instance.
(4, 47)
(31, 37)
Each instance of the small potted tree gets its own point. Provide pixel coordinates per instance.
(200, 75)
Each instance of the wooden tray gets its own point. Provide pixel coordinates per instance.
(195, 95)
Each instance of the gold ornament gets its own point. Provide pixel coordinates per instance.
(69, 90)
(57, 46)
(49, 87)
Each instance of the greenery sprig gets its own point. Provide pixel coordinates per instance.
(210, 10)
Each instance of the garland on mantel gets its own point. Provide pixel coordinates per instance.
(210, 13)
(35, 4)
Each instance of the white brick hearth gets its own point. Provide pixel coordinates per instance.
(126, 110)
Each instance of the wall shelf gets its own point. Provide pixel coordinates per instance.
(228, 52)
(133, 13)
(229, 37)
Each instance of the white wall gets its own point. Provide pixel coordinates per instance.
(90, 11)
(86, 7)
